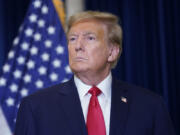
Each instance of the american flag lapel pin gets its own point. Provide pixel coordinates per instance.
(123, 99)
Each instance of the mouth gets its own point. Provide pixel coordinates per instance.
(80, 59)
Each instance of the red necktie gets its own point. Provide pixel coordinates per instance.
(95, 121)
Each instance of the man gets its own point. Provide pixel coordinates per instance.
(93, 102)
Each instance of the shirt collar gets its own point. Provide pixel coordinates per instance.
(104, 86)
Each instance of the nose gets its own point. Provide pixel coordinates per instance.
(79, 44)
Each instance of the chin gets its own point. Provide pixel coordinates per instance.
(78, 69)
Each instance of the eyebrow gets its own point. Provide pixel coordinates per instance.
(89, 33)
(72, 34)
(84, 34)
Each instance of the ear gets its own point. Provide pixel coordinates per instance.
(113, 52)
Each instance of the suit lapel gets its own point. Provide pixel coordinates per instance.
(70, 103)
(119, 108)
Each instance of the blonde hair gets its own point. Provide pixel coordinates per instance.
(111, 22)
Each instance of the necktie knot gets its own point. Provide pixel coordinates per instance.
(94, 91)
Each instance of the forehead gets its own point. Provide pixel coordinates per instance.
(87, 26)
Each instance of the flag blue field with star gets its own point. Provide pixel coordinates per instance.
(38, 58)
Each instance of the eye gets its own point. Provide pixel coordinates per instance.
(91, 38)
(72, 38)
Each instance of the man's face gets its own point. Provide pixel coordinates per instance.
(88, 48)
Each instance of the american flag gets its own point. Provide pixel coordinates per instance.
(38, 59)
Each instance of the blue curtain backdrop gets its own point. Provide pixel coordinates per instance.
(12, 13)
(151, 44)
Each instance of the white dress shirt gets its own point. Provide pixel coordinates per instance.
(104, 98)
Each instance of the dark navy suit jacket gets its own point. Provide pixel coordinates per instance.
(57, 111)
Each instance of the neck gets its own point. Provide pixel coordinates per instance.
(93, 78)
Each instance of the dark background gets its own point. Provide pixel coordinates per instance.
(151, 43)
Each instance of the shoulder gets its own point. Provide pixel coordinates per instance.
(146, 107)
(143, 103)
(139, 95)
(47, 95)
